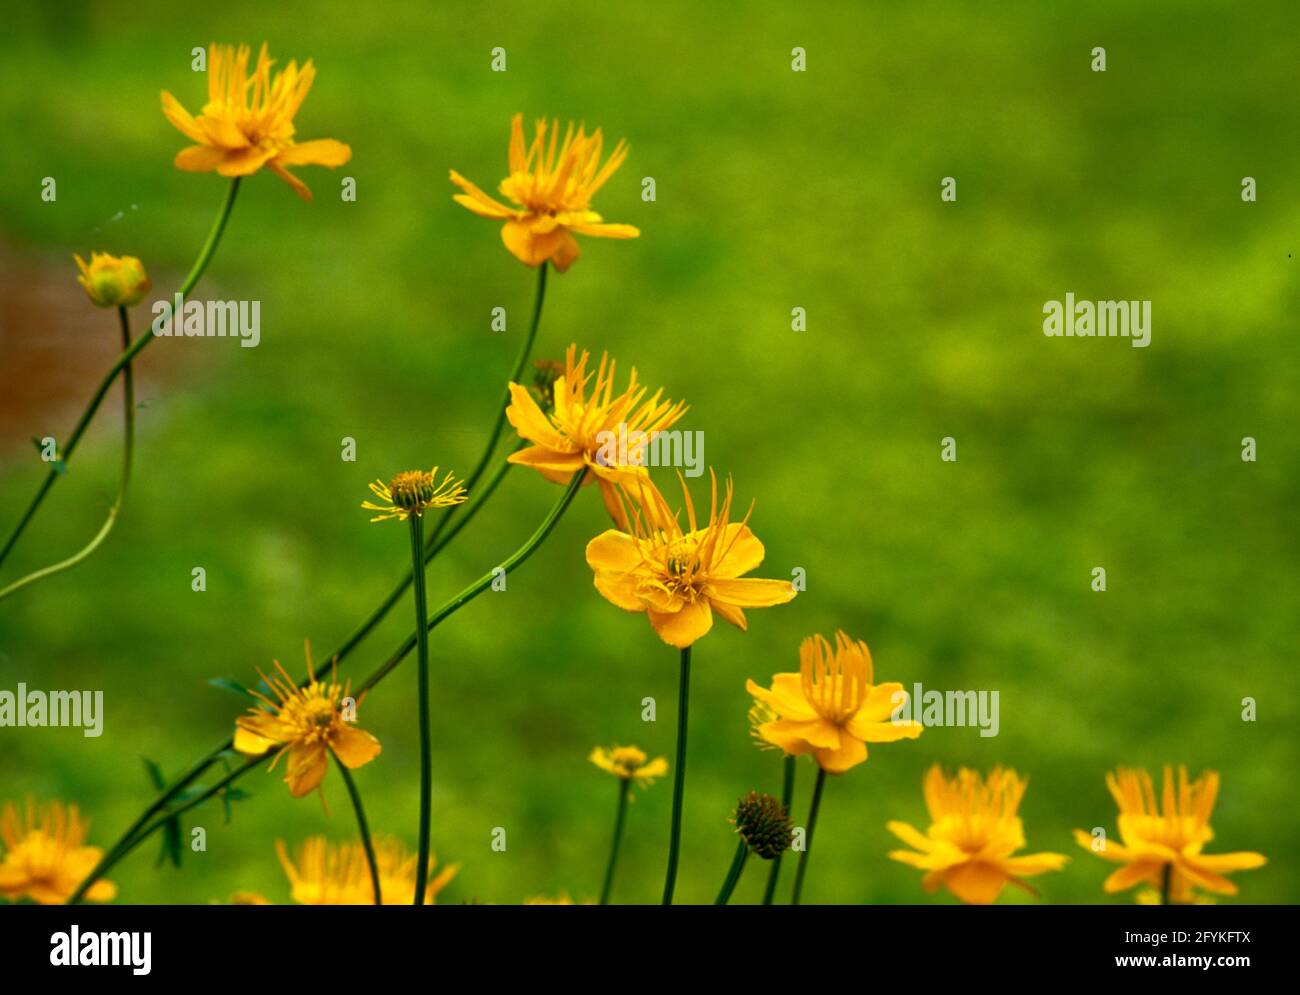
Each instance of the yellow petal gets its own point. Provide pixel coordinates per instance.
(682, 628)
(751, 592)
(977, 882)
(354, 746)
(319, 152)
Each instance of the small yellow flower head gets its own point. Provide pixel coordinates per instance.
(1170, 833)
(113, 281)
(764, 824)
(307, 722)
(830, 708)
(551, 189)
(583, 425)
(44, 857)
(325, 873)
(413, 492)
(247, 122)
(629, 764)
(973, 833)
(680, 577)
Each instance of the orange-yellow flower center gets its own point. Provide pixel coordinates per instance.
(412, 489)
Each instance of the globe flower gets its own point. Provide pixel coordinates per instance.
(324, 873)
(830, 708)
(308, 723)
(551, 191)
(974, 830)
(45, 858)
(413, 492)
(113, 281)
(1170, 835)
(628, 763)
(582, 428)
(681, 577)
(247, 122)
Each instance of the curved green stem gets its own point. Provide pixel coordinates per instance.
(624, 789)
(128, 401)
(679, 778)
(123, 361)
(733, 875)
(363, 828)
(142, 828)
(787, 799)
(422, 683)
(808, 841)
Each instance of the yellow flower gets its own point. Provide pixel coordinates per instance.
(113, 281)
(44, 857)
(307, 722)
(582, 429)
(629, 764)
(1170, 834)
(974, 830)
(680, 578)
(413, 492)
(830, 708)
(247, 122)
(552, 193)
(339, 874)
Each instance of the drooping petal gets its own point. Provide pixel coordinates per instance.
(354, 746)
(684, 627)
(318, 152)
(751, 592)
(976, 883)
(308, 764)
(850, 753)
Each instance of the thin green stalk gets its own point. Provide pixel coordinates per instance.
(679, 778)
(808, 840)
(123, 361)
(128, 450)
(787, 799)
(142, 829)
(363, 828)
(422, 681)
(733, 875)
(525, 350)
(624, 789)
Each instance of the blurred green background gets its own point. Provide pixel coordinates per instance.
(775, 190)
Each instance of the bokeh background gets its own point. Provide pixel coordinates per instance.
(775, 190)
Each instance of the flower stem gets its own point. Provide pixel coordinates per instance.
(733, 875)
(128, 414)
(422, 657)
(142, 828)
(679, 775)
(123, 361)
(624, 789)
(363, 828)
(787, 799)
(807, 843)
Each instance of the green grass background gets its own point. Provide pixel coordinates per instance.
(775, 190)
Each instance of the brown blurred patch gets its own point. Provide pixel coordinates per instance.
(55, 346)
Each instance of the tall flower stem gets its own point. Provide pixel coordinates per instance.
(787, 799)
(363, 828)
(123, 361)
(128, 450)
(143, 828)
(807, 843)
(422, 680)
(624, 789)
(679, 774)
(733, 875)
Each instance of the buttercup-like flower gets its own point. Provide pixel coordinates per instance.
(113, 281)
(680, 578)
(308, 722)
(413, 492)
(974, 830)
(247, 122)
(584, 428)
(45, 859)
(338, 874)
(628, 763)
(552, 191)
(830, 708)
(1170, 834)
